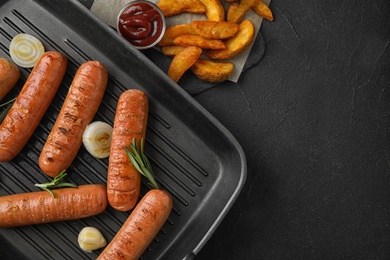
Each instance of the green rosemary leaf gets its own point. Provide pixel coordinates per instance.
(141, 162)
(4, 112)
(8, 102)
(133, 160)
(149, 176)
(48, 190)
(66, 184)
(56, 183)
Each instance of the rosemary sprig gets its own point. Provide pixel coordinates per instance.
(5, 111)
(56, 183)
(141, 162)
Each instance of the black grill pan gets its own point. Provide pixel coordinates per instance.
(194, 157)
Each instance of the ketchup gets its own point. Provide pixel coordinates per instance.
(140, 24)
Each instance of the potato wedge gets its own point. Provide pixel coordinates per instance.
(237, 11)
(183, 61)
(214, 10)
(174, 7)
(262, 9)
(214, 29)
(236, 44)
(212, 71)
(172, 50)
(199, 41)
(174, 31)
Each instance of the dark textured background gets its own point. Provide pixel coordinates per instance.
(313, 120)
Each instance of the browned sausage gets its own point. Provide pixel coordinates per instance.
(123, 180)
(31, 104)
(41, 207)
(80, 106)
(143, 224)
(9, 75)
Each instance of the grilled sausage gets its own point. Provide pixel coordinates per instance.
(31, 104)
(140, 228)
(9, 75)
(41, 207)
(80, 106)
(123, 180)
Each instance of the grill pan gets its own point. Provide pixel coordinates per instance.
(193, 156)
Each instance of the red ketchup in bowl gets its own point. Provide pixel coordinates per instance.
(141, 23)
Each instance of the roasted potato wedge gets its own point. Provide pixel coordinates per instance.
(172, 50)
(174, 7)
(212, 71)
(214, 10)
(199, 41)
(236, 44)
(262, 9)
(214, 29)
(183, 61)
(237, 11)
(174, 31)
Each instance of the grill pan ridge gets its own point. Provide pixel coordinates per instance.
(193, 156)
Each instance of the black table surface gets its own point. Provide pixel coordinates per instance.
(313, 118)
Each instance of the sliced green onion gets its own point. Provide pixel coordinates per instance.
(97, 139)
(26, 50)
